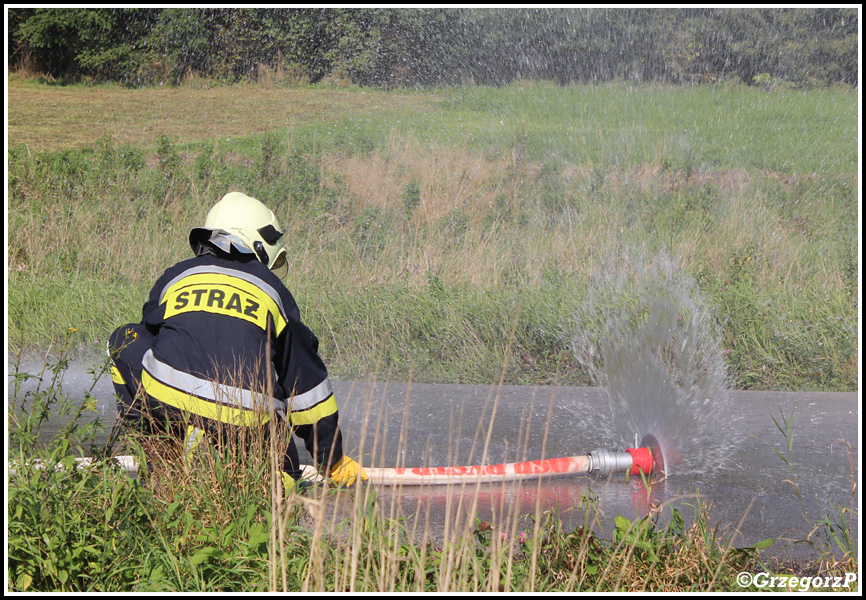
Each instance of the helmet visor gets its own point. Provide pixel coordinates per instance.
(281, 265)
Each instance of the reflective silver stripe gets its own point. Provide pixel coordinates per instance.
(308, 400)
(259, 283)
(193, 436)
(203, 388)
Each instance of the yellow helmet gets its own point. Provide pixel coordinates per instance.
(242, 222)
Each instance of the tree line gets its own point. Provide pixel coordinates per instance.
(411, 47)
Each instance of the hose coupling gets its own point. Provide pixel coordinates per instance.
(604, 462)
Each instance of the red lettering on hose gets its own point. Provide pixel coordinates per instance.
(537, 467)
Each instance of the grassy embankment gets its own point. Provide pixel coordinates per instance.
(424, 229)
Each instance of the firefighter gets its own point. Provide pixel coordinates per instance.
(221, 343)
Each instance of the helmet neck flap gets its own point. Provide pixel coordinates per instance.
(244, 224)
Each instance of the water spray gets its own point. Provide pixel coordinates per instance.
(644, 459)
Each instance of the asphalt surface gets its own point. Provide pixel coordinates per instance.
(757, 490)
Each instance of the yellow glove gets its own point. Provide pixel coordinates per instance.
(346, 471)
(290, 484)
(288, 481)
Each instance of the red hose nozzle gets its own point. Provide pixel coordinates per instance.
(642, 460)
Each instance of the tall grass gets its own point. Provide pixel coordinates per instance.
(416, 237)
(222, 522)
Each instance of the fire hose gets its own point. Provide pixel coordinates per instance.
(645, 459)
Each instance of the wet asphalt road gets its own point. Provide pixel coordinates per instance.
(752, 494)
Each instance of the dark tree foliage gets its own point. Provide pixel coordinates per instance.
(390, 47)
(68, 43)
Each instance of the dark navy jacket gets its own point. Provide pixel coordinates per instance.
(230, 346)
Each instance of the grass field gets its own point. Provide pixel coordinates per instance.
(444, 234)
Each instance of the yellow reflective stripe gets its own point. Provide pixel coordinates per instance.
(222, 294)
(202, 408)
(116, 377)
(204, 388)
(213, 269)
(313, 415)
